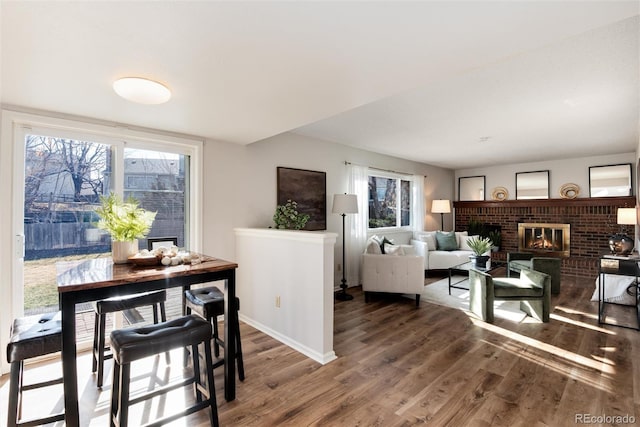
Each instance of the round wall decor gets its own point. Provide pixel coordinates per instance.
(500, 193)
(569, 191)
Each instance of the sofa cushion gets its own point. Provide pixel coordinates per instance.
(440, 260)
(408, 250)
(391, 249)
(429, 238)
(446, 241)
(464, 246)
(461, 236)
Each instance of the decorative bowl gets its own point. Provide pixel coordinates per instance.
(144, 260)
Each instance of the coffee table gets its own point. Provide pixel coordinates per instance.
(463, 270)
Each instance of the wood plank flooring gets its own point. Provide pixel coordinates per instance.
(400, 366)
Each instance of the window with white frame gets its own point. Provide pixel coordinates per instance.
(389, 201)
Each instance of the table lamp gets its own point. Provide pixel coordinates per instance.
(442, 207)
(620, 243)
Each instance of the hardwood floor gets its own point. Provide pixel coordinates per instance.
(399, 366)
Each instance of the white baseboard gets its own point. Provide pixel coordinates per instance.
(318, 357)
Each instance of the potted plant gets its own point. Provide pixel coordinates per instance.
(126, 222)
(496, 238)
(480, 246)
(288, 217)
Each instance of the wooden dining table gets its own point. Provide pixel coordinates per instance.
(99, 278)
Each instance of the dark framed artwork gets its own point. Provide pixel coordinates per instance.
(309, 190)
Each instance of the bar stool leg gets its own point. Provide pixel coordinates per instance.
(196, 371)
(216, 337)
(115, 394)
(123, 409)
(94, 366)
(14, 394)
(163, 317)
(102, 321)
(213, 416)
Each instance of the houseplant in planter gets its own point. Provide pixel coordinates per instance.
(288, 217)
(496, 240)
(126, 222)
(480, 247)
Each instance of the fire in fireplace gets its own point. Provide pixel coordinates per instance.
(544, 239)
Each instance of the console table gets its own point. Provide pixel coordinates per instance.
(621, 267)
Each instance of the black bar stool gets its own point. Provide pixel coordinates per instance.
(31, 336)
(129, 345)
(208, 302)
(128, 305)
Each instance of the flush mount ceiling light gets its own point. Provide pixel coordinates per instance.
(142, 91)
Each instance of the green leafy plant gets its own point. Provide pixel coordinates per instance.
(496, 238)
(124, 220)
(288, 217)
(479, 245)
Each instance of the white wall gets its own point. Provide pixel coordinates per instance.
(285, 282)
(561, 172)
(240, 184)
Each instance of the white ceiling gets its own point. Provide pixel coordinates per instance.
(426, 81)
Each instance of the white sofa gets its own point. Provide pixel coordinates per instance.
(425, 245)
(434, 259)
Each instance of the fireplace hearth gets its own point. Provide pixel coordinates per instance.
(544, 239)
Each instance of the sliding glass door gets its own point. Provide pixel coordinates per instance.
(59, 179)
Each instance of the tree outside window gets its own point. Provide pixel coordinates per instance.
(389, 202)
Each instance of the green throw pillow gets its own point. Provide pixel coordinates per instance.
(446, 241)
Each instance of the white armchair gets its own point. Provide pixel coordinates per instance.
(393, 274)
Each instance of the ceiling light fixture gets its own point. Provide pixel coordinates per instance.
(141, 90)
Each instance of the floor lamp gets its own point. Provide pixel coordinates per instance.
(344, 204)
(442, 207)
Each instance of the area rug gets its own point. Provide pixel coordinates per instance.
(438, 293)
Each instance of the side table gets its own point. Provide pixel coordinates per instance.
(621, 267)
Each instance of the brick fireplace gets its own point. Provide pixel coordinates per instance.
(590, 222)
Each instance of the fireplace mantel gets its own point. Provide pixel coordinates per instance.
(629, 201)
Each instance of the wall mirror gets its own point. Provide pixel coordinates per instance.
(471, 188)
(532, 185)
(610, 180)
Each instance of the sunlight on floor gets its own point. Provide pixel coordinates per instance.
(582, 368)
(581, 324)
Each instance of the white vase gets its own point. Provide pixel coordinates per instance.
(121, 251)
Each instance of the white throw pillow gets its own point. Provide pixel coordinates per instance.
(373, 246)
(393, 249)
(464, 246)
(461, 236)
(408, 250)
(429, 238)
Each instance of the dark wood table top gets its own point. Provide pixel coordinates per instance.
(102, 272)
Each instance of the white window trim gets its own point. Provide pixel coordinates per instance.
(13, 126)
(392, 175)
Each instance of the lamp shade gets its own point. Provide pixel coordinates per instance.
(345, 204)
(441, 206)
(627, 216)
